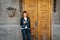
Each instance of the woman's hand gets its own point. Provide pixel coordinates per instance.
(25, 22)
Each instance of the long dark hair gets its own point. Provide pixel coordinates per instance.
(24, 12)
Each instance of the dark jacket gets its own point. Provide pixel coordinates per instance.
(27, 24)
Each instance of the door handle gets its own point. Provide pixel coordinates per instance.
(36, 23)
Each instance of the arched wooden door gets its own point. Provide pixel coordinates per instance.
(40, 12)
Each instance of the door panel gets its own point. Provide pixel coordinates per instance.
(39, 12)
(31, 7)
(44, 19)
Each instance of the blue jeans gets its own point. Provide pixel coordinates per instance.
(26, 34)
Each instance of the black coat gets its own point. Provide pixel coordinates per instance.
(22, 22)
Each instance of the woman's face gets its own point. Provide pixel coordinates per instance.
(25, 14)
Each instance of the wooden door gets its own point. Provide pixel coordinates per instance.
(39, 12)
(44, 19)
(31, 7)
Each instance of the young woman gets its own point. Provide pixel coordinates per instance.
(25, 24)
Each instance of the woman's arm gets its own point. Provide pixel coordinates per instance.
(28, 22)
(21, 23)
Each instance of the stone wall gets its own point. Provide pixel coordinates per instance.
(4, 18)
(56, 22)
(9, 26)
